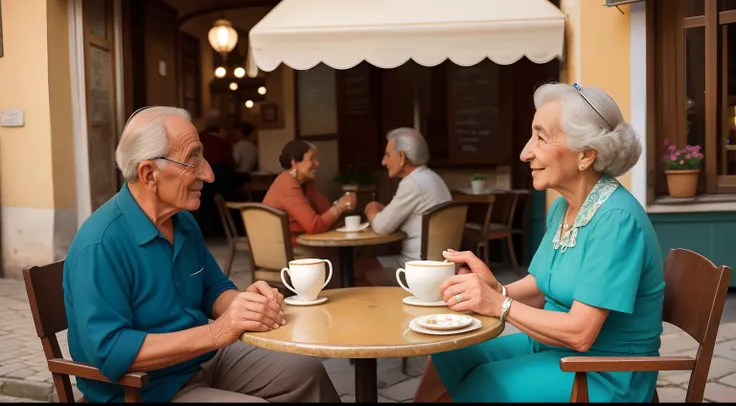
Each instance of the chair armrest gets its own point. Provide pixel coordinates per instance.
(628, 364)
(82, 370)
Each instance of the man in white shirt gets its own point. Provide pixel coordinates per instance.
(420, 189)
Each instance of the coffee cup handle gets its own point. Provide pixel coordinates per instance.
(329, 275)
(398, 279)
(286, 283)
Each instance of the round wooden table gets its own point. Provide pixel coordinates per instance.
(346, 242)
(364, 324)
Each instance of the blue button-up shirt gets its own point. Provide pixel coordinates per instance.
(123, 280)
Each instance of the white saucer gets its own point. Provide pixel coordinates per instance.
(354, 230)
(413, 301)
(474, 325)
(296, 301)
(445, 322)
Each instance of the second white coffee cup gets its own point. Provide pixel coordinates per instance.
(425, 277)
(307, 276)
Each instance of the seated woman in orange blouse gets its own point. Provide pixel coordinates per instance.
(295, 192)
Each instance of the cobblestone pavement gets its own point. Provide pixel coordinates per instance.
(24, 376)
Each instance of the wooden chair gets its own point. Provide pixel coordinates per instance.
(695, 292)
(497, 224)
(520, 222)
(46, 297)
(269, 239)
(235, 242)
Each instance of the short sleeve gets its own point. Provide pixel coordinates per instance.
(100, 293)
(612, 264)
(215, 283)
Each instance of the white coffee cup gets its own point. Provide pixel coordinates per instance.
(425, 277)
(308, 277)
(352, 222)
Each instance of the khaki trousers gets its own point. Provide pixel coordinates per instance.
(244, 373)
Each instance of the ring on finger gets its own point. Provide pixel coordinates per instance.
(458, 297)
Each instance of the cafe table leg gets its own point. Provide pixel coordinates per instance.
(366, 380)
(346, 263)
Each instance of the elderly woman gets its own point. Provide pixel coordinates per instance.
(420, 189)
(596, 284)
(295, 192)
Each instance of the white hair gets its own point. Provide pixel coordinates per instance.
(618, 145)
(145, 137)
(412, 143)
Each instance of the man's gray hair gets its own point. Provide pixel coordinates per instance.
(616, 142)
(145, 137)
(412, 143)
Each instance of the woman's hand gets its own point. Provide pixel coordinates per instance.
(474, 266)
(471, 292)
(347, 202)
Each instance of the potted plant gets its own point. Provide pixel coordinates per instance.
(356, 178)
(682, 168)
(478, 183)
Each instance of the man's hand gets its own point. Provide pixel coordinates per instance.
(264, 289)
(373, 208)
(249, 311)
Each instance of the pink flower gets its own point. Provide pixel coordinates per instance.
(678, 153)
(671, 148)
(666, 142)
(682, 162)
(687, 156)
(673, 158)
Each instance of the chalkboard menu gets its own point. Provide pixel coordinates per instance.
(473, 107)
(357, 90)
(316, 102)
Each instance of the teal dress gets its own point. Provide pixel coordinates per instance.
(610, 259)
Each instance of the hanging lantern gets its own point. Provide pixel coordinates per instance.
(223, 37)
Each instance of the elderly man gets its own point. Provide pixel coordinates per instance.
(140, 286)
(420, 189)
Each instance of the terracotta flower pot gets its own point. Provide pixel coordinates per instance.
(682, 182)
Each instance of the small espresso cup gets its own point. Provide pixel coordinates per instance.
(307, 276)
(424, 278)
(352, 222)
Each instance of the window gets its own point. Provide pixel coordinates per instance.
(692, 77)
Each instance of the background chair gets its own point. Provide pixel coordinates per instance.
(695, 292)
(520, 223)
(235, 242)
(269, 239)
(497, 226)
(46, 297)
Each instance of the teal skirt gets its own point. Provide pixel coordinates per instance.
(516, 368)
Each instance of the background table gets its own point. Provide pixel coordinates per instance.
(346, 242)
(365, 323)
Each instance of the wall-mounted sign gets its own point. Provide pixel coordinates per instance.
(12, 118)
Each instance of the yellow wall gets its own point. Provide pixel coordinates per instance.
(597, 54)
(36, 81)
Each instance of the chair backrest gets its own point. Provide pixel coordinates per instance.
(523, 205)
(504, 207)
(442, 228)
(227, 220)
(267, 229)
(695, 293)
(46, 298)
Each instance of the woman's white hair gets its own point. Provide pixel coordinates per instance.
(618, 145)
(412, 143)
(145, 137)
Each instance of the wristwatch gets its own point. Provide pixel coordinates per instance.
(505, 309)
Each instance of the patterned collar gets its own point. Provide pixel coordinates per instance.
(600, 193)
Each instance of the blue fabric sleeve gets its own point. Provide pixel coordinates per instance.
(215, 282)
(612, 264)
(102, 311)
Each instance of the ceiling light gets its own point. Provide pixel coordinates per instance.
(262, 90)
(249, 104)
(233, 86)
(239, 72)
(220, 72)
(222, 36)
